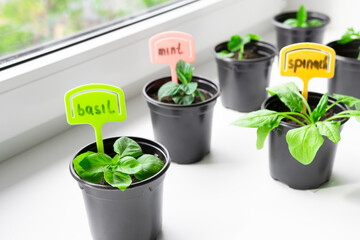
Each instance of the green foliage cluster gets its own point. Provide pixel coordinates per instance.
(301, 20)
(304, 141)
(349, 36)
(129, 160)
(184, 93)
(237, 44)
(26, 23)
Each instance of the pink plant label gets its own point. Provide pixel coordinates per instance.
(170, 47)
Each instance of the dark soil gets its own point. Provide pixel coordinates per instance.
(169, 100)
(248, 54)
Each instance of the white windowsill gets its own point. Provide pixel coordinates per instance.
(227, 195)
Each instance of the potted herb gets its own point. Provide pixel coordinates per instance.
(347, 68)
(181, 114)
(300, 26)
(299, 154)
(244, 66)
(122, 187)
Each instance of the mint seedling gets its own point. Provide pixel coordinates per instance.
(349, 36)
(236, 45)
(117, 171)
(304, 141)
(301, 20)
(184, 93)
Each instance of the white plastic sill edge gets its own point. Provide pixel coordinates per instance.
(31, 94)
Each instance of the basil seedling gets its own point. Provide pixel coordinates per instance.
(304, 141)
(184, 93)
(236, 45)
(129, 160)
(301, 20)
(349, 36)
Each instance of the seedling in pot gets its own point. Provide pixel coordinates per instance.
(301, 20)
(349, 36)
(184, 93)
(236, 45)
(118, 170)
(304, 141)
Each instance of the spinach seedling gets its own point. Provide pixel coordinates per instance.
(349, 36)
(184, 93)
(129, 160)
(301, 20)
(236, 45)
(304, 141)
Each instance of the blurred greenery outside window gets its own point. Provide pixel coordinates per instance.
(26, 24)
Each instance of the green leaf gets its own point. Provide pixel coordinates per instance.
(128, 165)
(168, 89)
(87, 176)
(184, 71)
(291, 22)
(259, 118)
(320, 109)
(348, 100)
(289, 94)
(184, 99)
(254, 36)
(304, 142)
(198, 93)
(314, 23)
(225, 54)
(125, 146)
(330, 129)
(263, 132)
(189, 88)
(96, 163)
(349, 36)
(150, 165)
(301, 15)
(235, 43)
(118, 179)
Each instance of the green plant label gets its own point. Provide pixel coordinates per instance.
(95, 104)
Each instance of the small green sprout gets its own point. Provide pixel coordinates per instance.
(301, 20)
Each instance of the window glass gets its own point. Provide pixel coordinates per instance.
(32, 23)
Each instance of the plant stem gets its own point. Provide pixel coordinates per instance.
(342, 116)
(329, 107)
(308, 120)
(359, 54)
(294, 119)
(241, 52)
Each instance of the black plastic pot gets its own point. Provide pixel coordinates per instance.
(243, 82)
(285, 168)
(287, 35)
(346, 79)
(185, 130)
(133, 214)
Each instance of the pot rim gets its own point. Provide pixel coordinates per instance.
(343, 58)
(133, 185)
(169, 105)
(310, 94)
(323, 17)
(256, 43)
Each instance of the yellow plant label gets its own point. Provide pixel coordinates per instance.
(307, 61)
(95, 104)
